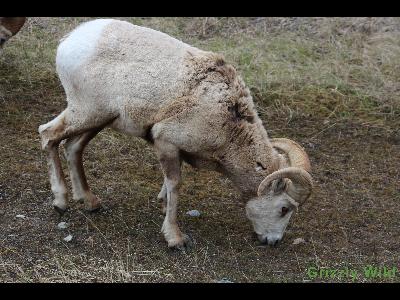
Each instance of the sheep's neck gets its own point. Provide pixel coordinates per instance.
(247, 165)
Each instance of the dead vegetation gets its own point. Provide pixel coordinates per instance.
(331, 84)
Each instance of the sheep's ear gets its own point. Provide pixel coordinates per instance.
(278, 186)
(234, 110)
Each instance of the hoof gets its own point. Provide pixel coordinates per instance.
(92, 203)
(183, 244)
(60, 210)
(94, 209)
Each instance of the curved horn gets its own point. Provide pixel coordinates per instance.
(13, 24)
(299, 187)
(297, 156)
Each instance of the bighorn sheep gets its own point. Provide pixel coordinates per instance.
(189, 104)
(9, 26)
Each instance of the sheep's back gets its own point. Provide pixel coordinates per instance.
(121, 64)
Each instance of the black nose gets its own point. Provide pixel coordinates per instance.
(2, 41)
(265, 241)
(272, 243)
(262, 240)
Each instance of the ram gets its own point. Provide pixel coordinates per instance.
(9, 26)
(189, 104)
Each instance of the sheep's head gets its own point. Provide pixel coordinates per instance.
(280, 193)
(9, 26)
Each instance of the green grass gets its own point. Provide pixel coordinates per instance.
(302, 74)
(356, 74)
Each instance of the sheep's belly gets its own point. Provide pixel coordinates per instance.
(128, 126)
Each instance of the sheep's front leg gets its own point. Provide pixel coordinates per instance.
(168, 156)
(162, 197)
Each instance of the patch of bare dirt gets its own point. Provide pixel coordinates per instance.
(352, 218)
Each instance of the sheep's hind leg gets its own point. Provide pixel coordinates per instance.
(73, 152)
(52, 133)
(168, 156)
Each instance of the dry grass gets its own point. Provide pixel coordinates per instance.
(331, 84)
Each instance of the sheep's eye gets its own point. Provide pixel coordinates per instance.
(284, 211)
(259, 167)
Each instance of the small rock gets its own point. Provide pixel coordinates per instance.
(62, 225)
(224, 280)
(20, 216)
(193, 213)
(298, 241)
(312, 146)
(90, 240)
(68, 238)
